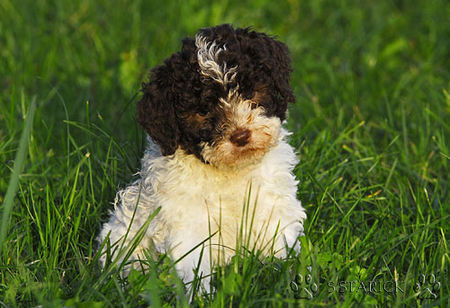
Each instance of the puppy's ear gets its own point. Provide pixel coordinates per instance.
(156, 111)
(281, 70)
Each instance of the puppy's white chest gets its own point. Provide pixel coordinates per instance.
(201, 201)
(207, 195)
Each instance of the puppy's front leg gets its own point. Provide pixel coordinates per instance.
(131, 211)
(193, 263)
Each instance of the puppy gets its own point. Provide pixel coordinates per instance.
(217, 166)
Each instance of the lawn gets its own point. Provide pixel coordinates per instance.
(371, 126)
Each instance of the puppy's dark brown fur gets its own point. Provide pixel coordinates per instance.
(180, 107)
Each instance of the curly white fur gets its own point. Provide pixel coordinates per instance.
(208, 61)
(197, 200)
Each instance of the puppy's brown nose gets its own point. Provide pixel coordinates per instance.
(240, 137)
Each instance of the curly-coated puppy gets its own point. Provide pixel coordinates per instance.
(217, 164)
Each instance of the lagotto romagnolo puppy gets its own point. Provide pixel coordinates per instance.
(214, 114)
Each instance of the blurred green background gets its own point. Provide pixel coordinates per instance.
(101, 51)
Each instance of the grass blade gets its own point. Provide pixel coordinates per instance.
(19, 162)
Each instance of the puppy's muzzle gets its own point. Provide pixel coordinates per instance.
(240, 137)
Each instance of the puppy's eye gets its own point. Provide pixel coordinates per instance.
(204, 133)
(202, 113)
(254, 105)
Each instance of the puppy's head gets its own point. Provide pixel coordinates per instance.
(222, 97)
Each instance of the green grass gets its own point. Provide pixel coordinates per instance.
(371, 126)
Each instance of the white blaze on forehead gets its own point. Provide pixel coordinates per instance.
(233, 98)
(208, 56)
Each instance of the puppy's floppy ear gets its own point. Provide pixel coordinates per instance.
(156, 111)
(273, 58)
(281, 71)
